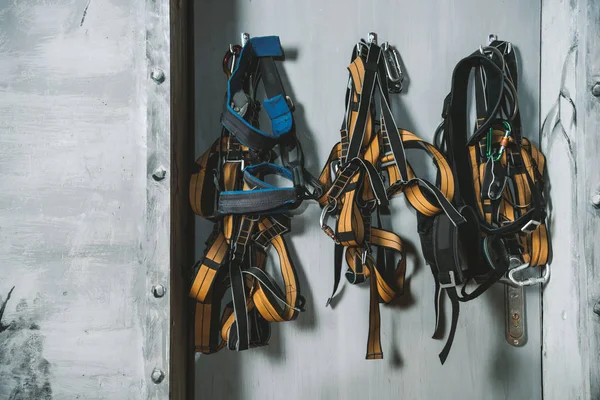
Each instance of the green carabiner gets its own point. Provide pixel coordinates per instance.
(488, 142)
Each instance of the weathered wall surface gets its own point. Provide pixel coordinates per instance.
(80, 217)
(570, 105)
(321, 355)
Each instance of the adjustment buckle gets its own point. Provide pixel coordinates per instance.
(235, 152)
(530, 226)
(452, 281)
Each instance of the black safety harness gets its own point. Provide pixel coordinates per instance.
(499, 187)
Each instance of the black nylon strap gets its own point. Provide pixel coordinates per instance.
(239, 336)
(255, 201)
(245, 134)
(270, 77)
(451, 292)
(337, 271)
(370, 79)
(390, 127)
(455, 126)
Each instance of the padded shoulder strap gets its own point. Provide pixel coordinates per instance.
(258, 54)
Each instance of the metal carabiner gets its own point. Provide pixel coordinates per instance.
(230, 59)
(323, 220)
(529, 281)
(393, 70)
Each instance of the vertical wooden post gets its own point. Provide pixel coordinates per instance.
(182, 219)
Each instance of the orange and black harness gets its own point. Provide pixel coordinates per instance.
(250, 215)
(364, 171)
(499, 187)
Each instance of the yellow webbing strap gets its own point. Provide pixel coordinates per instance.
(535, 245)
(209, 287)
(210, 282)
(347, 191)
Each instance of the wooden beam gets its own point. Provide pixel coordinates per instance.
(182, 218)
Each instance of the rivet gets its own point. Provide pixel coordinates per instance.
(157, 375)
(157, 75)
(158, 291)
(597, 308)
(596, 89)
(595, 199)
(159, 174)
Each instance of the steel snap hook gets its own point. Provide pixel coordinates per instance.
(393, 70)
(529, 281)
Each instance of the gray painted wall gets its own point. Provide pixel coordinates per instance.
(321, 356)
(83, 227)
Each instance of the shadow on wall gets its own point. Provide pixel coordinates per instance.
(218, 376)
(24, 373)
(217, 25)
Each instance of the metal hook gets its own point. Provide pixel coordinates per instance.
(492, 38)
(530, 281)
(372, 38)
(393, 69)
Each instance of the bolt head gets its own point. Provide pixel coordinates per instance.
(596, 89)
(157, 75)
(157, 375)
(596, 308)
(595, 199)
(159, 174)
(158, 291)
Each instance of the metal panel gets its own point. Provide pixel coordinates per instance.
(570, 138)
(321, 355)
(85, 227)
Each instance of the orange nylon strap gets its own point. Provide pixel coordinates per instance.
(350, 198)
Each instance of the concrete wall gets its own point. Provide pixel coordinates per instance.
(321, 356)
(83, 226)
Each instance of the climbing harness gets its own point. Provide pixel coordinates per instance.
(499, 188)
(250, 214)
(364, 171)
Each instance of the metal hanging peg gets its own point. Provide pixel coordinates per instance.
(391, 59)
(245, 37)
(372, 38)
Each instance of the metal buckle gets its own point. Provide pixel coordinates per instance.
(530, 226)
(334, 167)
(226, 159)
(393, 70)
(452, 281)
